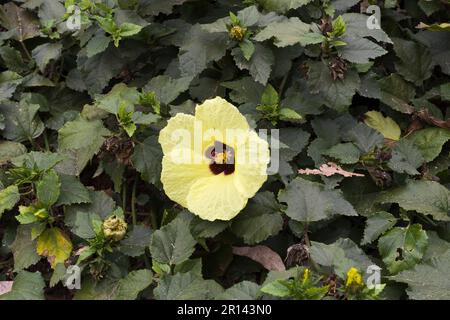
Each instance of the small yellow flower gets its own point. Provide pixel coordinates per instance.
(353, 278)
(115, 228)
(213, 162)
(237, 33)
(306, 274)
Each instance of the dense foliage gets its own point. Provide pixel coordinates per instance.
(363, 115)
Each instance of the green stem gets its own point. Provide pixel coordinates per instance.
(133, 201)
(47, 145)
(26, 50)
(124, 197)
(153, 220)
(283, 84)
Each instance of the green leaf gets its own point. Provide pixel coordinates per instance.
(430, 141)
(260, 219)
(10, 150)
(445, 91)
(145, 119)
(8, 198)
(309, 201)
(72, 191)
(81, 133)
(250, 16)
(46, 52)
(429, 280)
(270, 96)
(9, 81)
(376, 225)
(136, 241)
(402, 248)
(22, 122)
(346, 153)
(120, 95)
(406, 158)
(147, 159)
(58, 275)
(292, 142)
(289, 114)
(396, 93)
(26, 286)
(173, 243)
(337, 94)
(129, 287)
(41, 161)
(83, 137)
(277, 288)
(199, 48)
(339, 27)
(115, 286)
(248, 48)
(429, 7)
(80, 217)
(207, 229)
(282, 6)
(93, 74)
(244, 90)
(286, 33)
(340, 255)
(129, 29)
(356, 24)
(244, 290)
(186, 286)
(167, 89)
(427, 197)
(24, 249)
(364, 137)
(416, 64)
(97, 44)
(55, 245)
(13, 59)
(260, 64)
(155, 7)
(27, 215)
(385, 125)
(48, 188)
(436, 246)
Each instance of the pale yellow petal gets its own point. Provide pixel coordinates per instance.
(215, 198)
(251, 165)
(178, 178)
(220, 115)
(179, 133)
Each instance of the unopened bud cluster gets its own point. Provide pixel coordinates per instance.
(237, 33)
(115, 228)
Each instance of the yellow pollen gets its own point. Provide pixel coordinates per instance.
(220, 157)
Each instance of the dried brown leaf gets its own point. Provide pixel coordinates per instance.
(268, 258)
(5, 286)
(330, 169)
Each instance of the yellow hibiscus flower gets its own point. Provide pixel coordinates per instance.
(213, 162)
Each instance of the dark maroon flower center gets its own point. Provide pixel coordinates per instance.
(222, 158)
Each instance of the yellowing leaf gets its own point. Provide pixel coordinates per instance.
(385, 125)
(435, 27)
(55, 245)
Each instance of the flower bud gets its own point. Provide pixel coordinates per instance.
(237, 33)
(115, 228)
